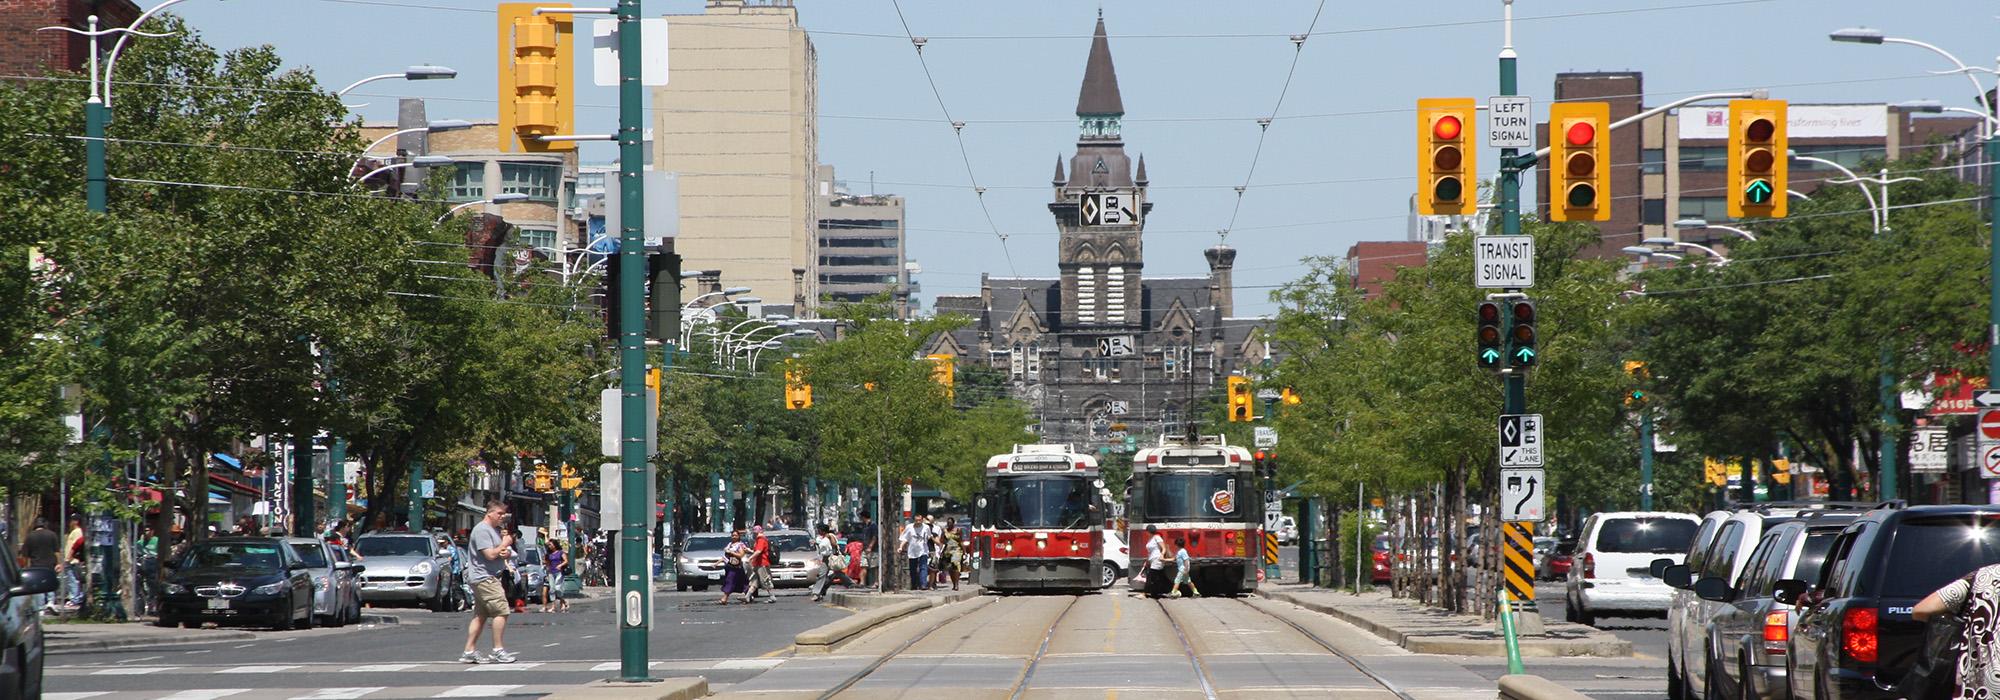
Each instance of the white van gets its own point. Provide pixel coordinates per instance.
(1611, 575)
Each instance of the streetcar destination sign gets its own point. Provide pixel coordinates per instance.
(1503, 262)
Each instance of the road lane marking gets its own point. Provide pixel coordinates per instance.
(476, 691)
(746, 664)
(133, 670)
(73, 696)
(257, 669)
(606, 666)
(505, 667)
(550, 644)
(142, 658)
(338, 693)
(202, 651)
(244, 646)
(379, 668)
(205, 694)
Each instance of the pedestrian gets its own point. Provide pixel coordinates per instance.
(760, 567)
(1975, 600)
(491, 550)
(148, 570)
(455, 577)
(1183, 569)
(40, 548)
(552, 594)
(870, 551)
(954, 551)
(735, 556)
(828, 551)
(915, 546)
(1156, 563)
(854, 559)
(73, 566)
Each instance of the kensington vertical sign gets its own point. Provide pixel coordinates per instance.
(1503, 262)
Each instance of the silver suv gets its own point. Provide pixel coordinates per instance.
(404, 567)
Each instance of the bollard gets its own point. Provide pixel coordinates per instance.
(1513, 644)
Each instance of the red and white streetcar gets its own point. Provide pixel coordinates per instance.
(1036, 525)
(1203, 491)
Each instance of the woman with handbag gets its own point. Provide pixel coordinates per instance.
(735, 578)
(1961, 647)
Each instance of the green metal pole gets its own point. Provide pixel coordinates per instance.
(336, 480)
(1513, 381)
(1645, 458)
(302, 484)
(1308, 563)
(415, 517)
(1887, 480)
(95, 114)
(1993, 258)
(634, 585)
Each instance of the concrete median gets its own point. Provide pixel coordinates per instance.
(1429, 631)
(824, 639)
(686, 688)
(1526, 687)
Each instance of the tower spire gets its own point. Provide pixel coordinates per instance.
(1099, 95)
(1059, 171)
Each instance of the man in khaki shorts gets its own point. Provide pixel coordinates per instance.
(492, 548)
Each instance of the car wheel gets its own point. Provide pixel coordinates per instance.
(1110, 574)
(1676, 683)
(1711, 681)
(1743, 689)
(31, 673)
(167, 622)
(680, 585)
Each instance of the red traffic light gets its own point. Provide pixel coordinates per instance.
(1260, 455)
(1580, 134)
(1759, 130)
(1447, 128)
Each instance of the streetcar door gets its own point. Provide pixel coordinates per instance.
(982, 539)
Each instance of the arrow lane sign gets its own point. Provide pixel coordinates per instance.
(1986, 399)
(1526, 494)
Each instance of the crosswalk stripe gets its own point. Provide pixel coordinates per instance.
(338, 693)
(73, 696)
(476, 691)
(606, 666)
(505, 667)
(257, 669)
(749, 664)
(379, 668)
(205, 693)
(133, 670)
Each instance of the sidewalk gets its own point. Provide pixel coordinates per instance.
(91, 636)
(1430, 631)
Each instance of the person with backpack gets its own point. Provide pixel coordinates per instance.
(761, 559)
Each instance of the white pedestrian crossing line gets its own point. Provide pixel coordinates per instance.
(476, 691)
(379, 668)
(257, 669)
(205, 694)
(73, 696)
(338, 693)
(133, 670)
(504, 667)
(747, 664)
(606, 666)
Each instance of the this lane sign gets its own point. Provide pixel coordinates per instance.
(1521, 440)
(1503, 262)
(1521, 498)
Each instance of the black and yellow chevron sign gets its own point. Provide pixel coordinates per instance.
(1519, 562)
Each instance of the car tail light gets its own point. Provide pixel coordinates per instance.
(1589, 565)
(1776, 634)
(1858, 638)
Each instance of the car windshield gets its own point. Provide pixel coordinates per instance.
(705, 543)
(314, 555)
(393, 546)
(1646, 535)
(1929, 552)
(235, 555)
(1382, 543)
(1192, 497)
(790, 543)
(531, 556)
(1043, 501)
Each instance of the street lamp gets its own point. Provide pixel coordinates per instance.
(502, 198)
(435, 126)
(411, 73)
(424, 161)
(1703, 224)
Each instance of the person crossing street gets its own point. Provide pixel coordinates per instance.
(492, 549)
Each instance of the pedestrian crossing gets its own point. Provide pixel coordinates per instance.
(56, 671)
(354, 693)
(390, 681)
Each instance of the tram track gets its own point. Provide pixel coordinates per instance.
(1200, 669)
(1321, 641)
(1028, 674)
(873, 666)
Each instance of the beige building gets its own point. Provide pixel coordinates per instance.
(739, 123)
(481, 171)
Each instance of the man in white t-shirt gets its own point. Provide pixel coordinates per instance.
(916, 545)
(1157, 582)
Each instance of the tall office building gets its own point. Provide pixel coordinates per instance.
(861, 252)
(739, 123)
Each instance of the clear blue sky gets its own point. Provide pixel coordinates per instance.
(1347, 116)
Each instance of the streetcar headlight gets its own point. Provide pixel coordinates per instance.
(1072, 546)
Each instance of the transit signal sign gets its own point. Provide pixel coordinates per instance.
(1521, 440)
(1503, 262)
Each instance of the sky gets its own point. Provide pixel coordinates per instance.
(1336, 163)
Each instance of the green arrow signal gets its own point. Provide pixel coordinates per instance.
(1524, 354)
(1489, 356)
(1757, 192)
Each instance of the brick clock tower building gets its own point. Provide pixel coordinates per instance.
(1101, 353)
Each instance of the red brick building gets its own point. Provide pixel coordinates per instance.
(1371, 264)
(28, 51)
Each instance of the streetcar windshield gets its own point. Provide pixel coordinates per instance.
(1192, 497)
(1043, 501)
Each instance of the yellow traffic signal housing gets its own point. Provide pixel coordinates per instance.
(1289, 397)
(798, 394)
(942, 372)
(537, 76)
(1758, 162)
(1447, 166)
(1579, 161)
(1781, 471)
(1242, 404)
(570, 480)
(1715, 471)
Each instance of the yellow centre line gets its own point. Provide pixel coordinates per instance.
(1111, 635)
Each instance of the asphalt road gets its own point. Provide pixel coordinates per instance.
(418, 657)
(1644, 676)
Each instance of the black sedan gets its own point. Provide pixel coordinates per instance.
(21, 602)
(256, 581)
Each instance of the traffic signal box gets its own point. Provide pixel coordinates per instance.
(1288, 397)
(1242, 404)
(1491, 346)
(1521, 350)
(1579, 148)
(798, 394)
(536, 78)
(1637, 371)
(1447, 165)
(942, 372)
(1758, 162)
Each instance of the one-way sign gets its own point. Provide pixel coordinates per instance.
(1521, 495)
(1987, 398)
(1521, 440)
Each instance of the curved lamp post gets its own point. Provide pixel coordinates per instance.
(502, 198)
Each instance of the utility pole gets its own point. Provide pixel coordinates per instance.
(1513, 379)
(1645, 457)
(634, 585)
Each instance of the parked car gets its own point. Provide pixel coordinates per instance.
(332, 604)
(404, 568)
(249, 580)
(700, 562)
(21, 635)
(349, 577)
(1556, 565)
(1612, 576)
(1543, 546)
(1748, 640)
(1381, 571)
(530, 571)
(1855, 637)
(1288, 530)
(1117, 557)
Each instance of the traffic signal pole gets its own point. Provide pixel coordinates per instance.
(634, 585)
(1513, 379)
